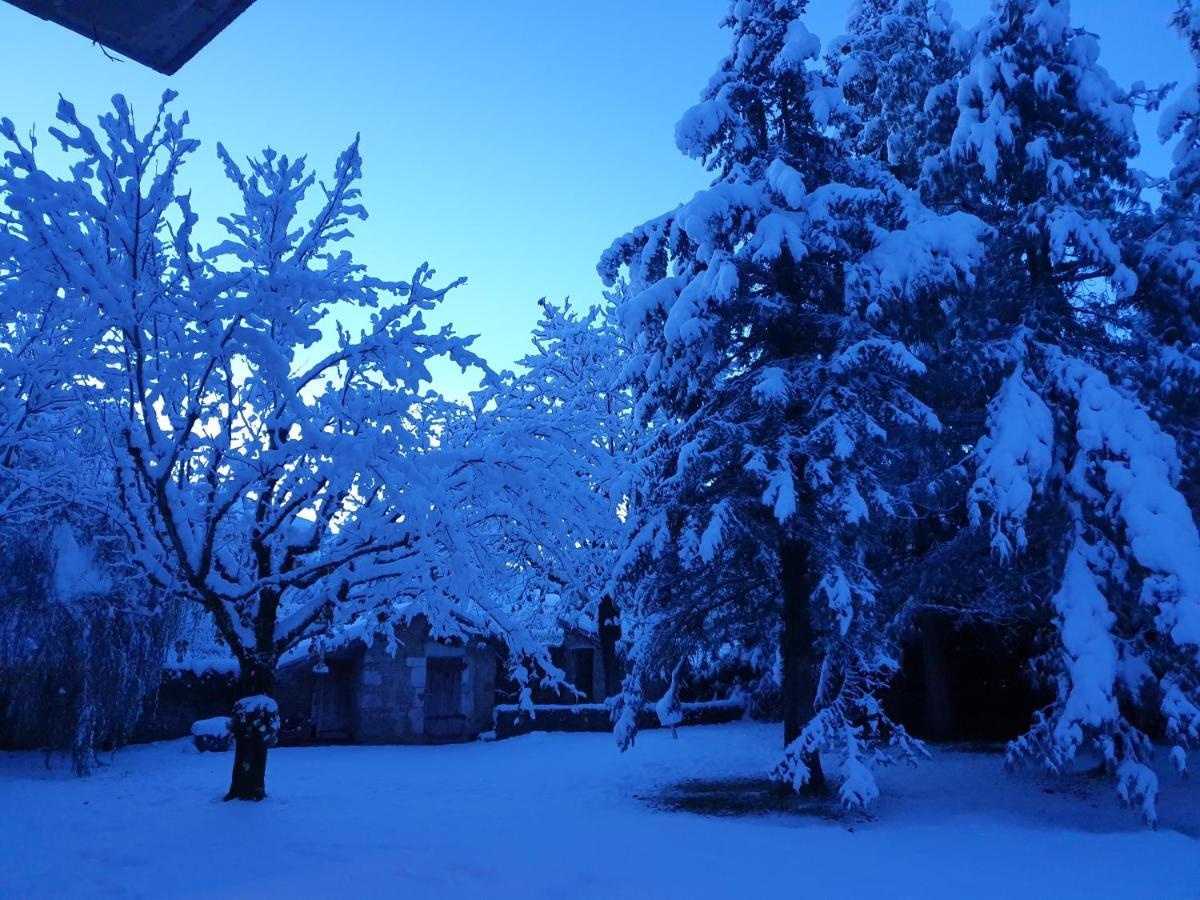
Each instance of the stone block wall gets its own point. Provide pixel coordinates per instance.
(389, 696)
(392, 690)
(386, 694)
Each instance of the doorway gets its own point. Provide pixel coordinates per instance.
(333, 702)
(443, 697)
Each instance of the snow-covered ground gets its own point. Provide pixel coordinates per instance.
(566, 815)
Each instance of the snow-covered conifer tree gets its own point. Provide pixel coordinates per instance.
(895, 65)
(767, 319)
(1166, 308)
(1072, 477)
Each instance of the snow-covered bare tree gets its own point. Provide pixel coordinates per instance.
(271, 465)
(50, 456)
(82, 638)
(769, 320)
(570, 383)
(555, 518)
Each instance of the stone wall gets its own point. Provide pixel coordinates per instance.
(392, 691)
(293, 693)
(383, 697)
(388, 694)
(481, 670)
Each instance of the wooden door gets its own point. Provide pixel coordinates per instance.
(333, 705)
(443, 696)
(585, 664)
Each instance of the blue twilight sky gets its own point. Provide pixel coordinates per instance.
(510, 142)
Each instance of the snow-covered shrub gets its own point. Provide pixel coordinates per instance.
(213, 735)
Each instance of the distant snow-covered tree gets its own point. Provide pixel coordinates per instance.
(569, 387)
(768, 320)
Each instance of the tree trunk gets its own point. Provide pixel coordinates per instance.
(249, 780)
(801, 663)
(939, 713)
(609, 629)
(255, 727)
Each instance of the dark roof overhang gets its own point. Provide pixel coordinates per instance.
(161, 34)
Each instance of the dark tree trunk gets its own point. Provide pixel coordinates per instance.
(939, 713)
(609, 628)
(249, 780)
(255, 730)
(801, 662)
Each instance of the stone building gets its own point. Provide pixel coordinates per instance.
(429, 691)
(585, 651)
(578, 655)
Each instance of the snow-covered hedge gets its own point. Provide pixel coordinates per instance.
(512, 720)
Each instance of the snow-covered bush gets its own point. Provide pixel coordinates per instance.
(213, 735)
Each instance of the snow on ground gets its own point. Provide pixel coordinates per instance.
(566, 815)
